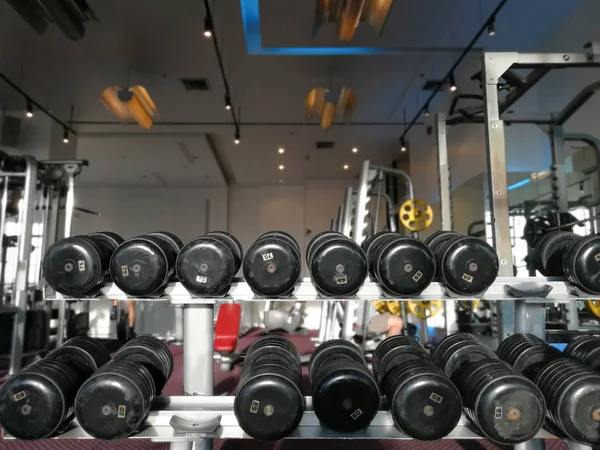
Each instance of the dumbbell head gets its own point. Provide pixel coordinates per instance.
(371, 244)
(334, 349)
(272, 265)
(435, 241)
(393, 351)
(174, 242)
(338, 266)
(585, 349)
(550, 250)
(424, 403)
(36, 403)
(458, 350)
(76, 266)
(142, 266)
(468, 265)
(272, 348)
(507, 407)
(233, 243)
(581, 263)
(403, 265)
(115, 401)
(527, 353)
(283, 235)
(83, 353)
(109, 239)
(206, 266)
(572, 392)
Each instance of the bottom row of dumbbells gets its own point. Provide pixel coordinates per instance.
(507, 395)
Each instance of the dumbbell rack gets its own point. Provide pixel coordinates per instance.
(200, 416)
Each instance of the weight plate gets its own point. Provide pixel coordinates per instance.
(371, 244)
(582, 262)
(550, 252)
(338, 266)
(174, 242)
(206, 266)
(415, 214)
(142, 266)
(271, 267)
(424, 309)
(403, 266)
(75, 266)
(468, 265)
(535, 228)
(234, 244)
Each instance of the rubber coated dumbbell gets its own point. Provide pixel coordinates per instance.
(424, 403)
(337, 264)
(207, 264)
(527, 353)
(115, 401)
(77, 266)
(504, 405)
(37, 402)
(268, 402)
(404, 266)
(272, 264)
(467, 265)
(144, 265)
(345, 394)
(585, 349)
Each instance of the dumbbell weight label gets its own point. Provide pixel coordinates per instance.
(436, 398)
(468, 278)
(81, 266)
(254, 406)
(122, 411)
(417, 276)
(356, 414)
(498, 412)
(19, 396)
(125, 271)
(597, 257)
(200, 279)
(267, 256)
(342, 280)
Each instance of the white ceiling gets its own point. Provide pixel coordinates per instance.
(155, 43)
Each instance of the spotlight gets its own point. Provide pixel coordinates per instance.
(403, 145)
(281, 150)
(491, 29)
(29, 112)
(65, 135)
(355, 150)
(452, 82)
(281, 167)
(237, 138)
(208, 27)
(346, 166)
(227, 101)
(427, 112)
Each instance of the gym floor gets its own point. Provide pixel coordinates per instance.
(225, 383)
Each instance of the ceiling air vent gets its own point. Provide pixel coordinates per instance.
(195, 84)
(325, 144)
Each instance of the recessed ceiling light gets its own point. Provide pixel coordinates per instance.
(346, 166)
(281, 181)
(281, 167)
(354, 149)
(281, 150)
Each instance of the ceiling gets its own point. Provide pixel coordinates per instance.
(156, 43)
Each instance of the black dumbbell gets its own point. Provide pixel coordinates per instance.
(572, 392)
(434, 241)
(144, 265)
(550, 251)
(207, 264)
(581, 263)
(337, 264)
(424, 403)
(272, 264)
(36, 403)
(526, 353)
(586, 349)
(370, 244)
(507, 407)
(345, 394)
(83, 353)
(78, 265)
(404, 266)
(115, 401)
(467, 265)
(268, 403)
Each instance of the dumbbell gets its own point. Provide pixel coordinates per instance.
(37, 402)
(403, 265)
(268, 402)
(423, 401)
(144, 265)
(337, 264)
(527, 353)
(572, 392)
(78, 265)
(115, 401)
(345, 394)
(207, 264)
(585, 349)
(504, 405)
(370, 244)
(271, 265)
(467, 265)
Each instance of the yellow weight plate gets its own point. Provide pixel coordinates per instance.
(593, 306)
(394, 307)
(467, 305)
(415, 215)
(424, 309)
(380, 306)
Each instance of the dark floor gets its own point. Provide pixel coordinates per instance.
(225, 382)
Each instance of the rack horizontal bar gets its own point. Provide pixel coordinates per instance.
(199, 408)
(240, 291)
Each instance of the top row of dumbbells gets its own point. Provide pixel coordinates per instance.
(143, 266)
